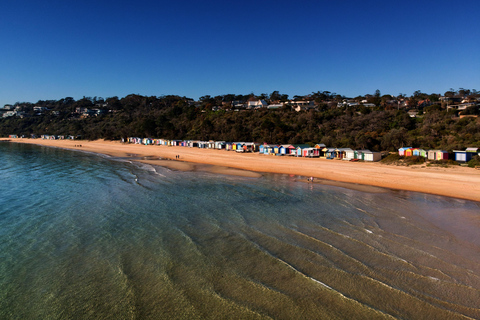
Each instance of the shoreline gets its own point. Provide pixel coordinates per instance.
(456, 182)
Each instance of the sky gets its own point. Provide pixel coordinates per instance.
(50, 50)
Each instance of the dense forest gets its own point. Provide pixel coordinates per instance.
(173, 117)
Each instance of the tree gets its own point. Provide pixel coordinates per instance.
(450, 94)
(275, 96)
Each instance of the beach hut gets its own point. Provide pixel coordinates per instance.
(238, 146)
(345, 151)
(266, 148)
(432, 155)
(401, 151)
(442, 155)
(210, 144)
(371, 156)
(192, 144)
(271, 149)
(417, 152)
(220, 145)
(255, 146)
(299, 148)
(409, 152)
(320, 146)
(323, 152)
(250, 147)
(474, 151)
(261, 148)
(330, 153)
(310, 152)
(350, 154)
(340, 153)
(287, 149)
(463, 156)
(358, 154)
(298, 151)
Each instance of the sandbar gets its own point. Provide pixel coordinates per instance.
(457, 182)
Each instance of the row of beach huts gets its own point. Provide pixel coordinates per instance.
(44, 137)
(298, 150)
(461, 156)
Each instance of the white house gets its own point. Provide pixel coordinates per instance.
(257, 104)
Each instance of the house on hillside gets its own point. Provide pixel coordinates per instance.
(257, 104)
(302, 105)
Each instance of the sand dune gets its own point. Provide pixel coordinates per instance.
(457, 182)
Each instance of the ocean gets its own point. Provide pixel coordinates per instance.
(84, 236)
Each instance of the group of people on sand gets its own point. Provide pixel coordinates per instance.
(78, 145)
(177, 156)
(310, 179)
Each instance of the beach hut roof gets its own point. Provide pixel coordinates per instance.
(471, 150)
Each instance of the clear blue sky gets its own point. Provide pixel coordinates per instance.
(56, 49)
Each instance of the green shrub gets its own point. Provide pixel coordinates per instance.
(474, 162)
(443, 163)
(414, 160)
(391, 158)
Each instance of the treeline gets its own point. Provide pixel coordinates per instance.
(175, 117)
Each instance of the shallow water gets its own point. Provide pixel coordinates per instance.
(86, 236)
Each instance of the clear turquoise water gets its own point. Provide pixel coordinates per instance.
(90, 237)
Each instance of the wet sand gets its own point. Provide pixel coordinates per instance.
(457, 182)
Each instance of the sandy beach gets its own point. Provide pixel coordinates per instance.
(458, 182)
